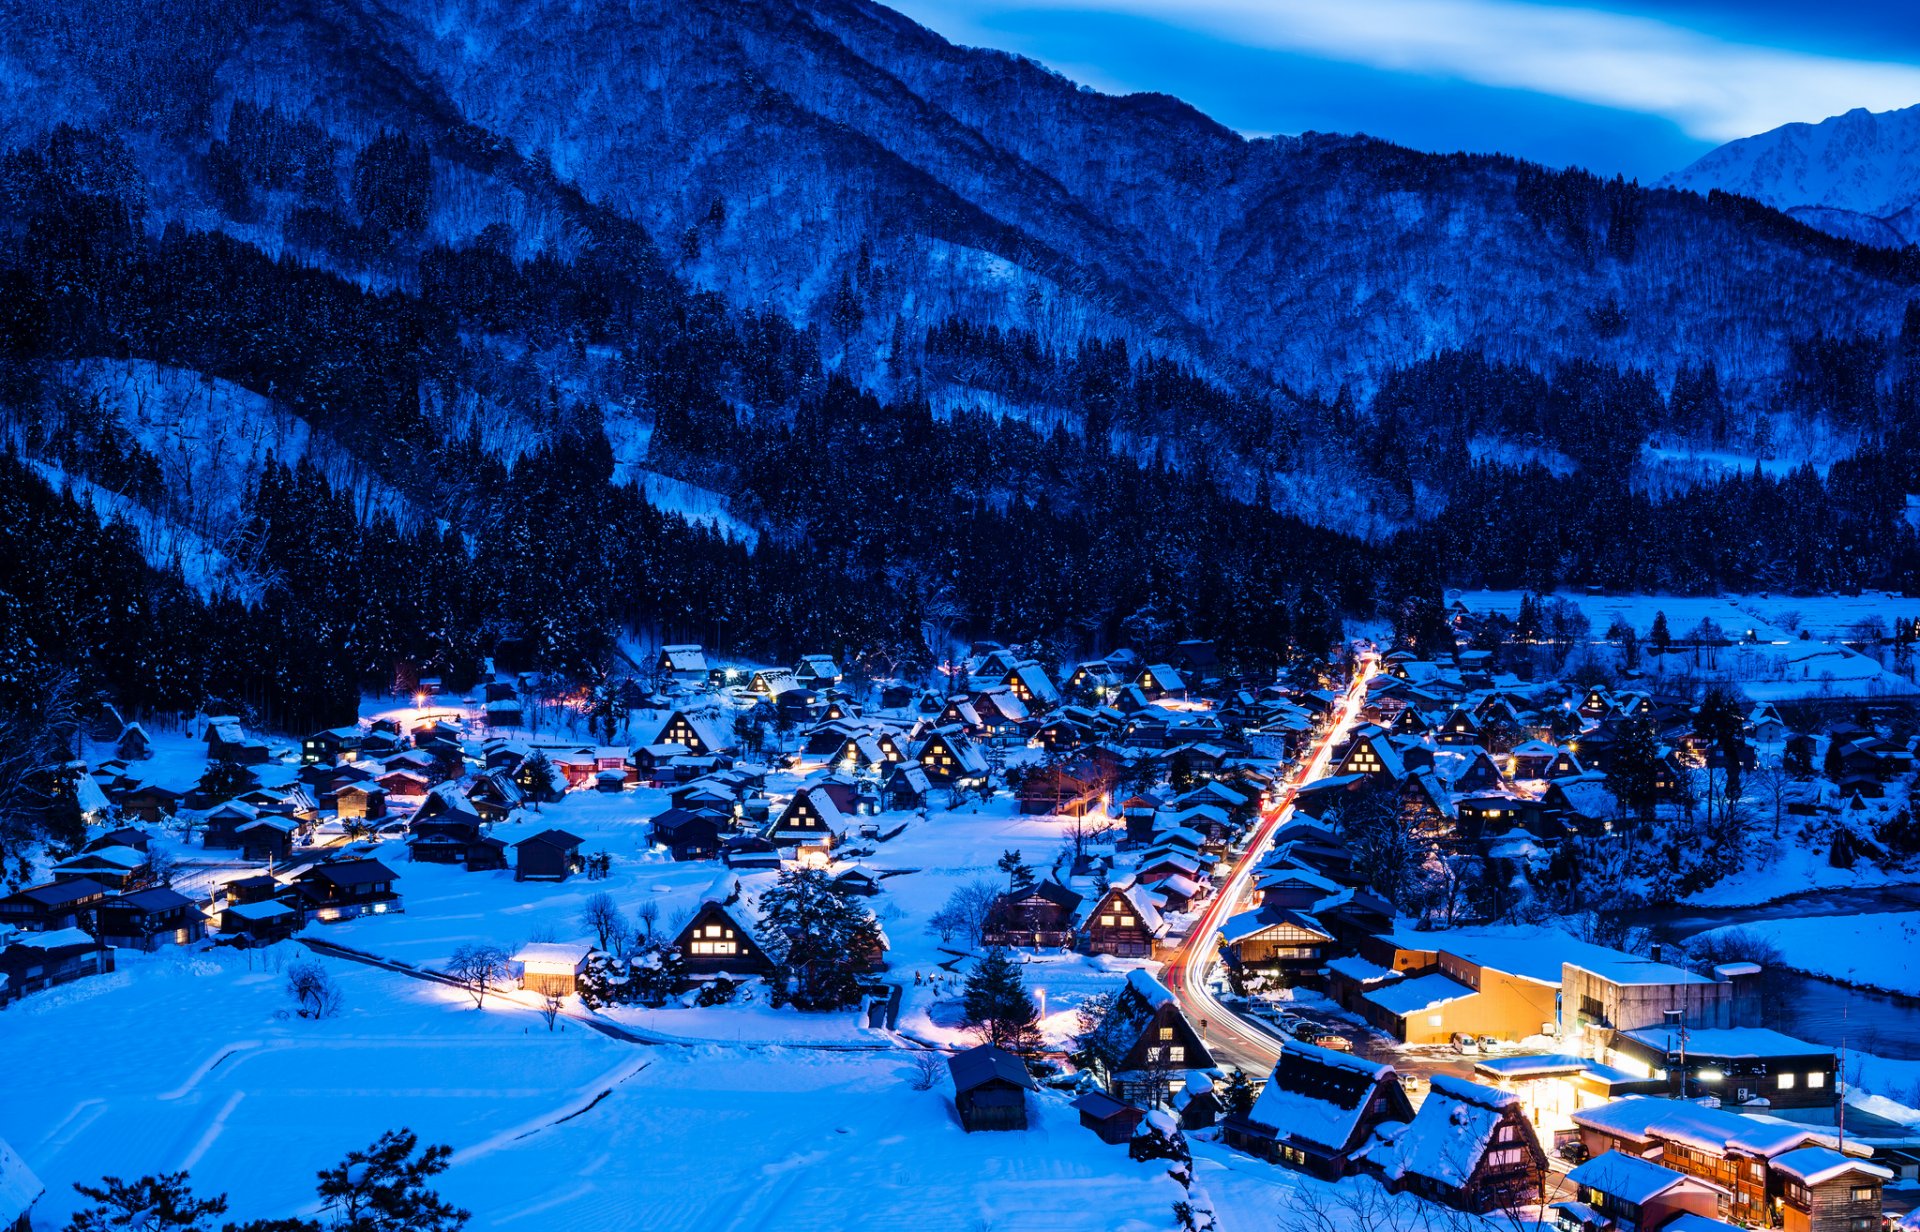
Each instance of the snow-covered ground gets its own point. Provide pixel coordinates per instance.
(1775, 665)
(1874, 951)
(193, 1064)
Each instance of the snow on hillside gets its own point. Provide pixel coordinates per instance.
(211, 437)
(1862, 164)
(206, 567)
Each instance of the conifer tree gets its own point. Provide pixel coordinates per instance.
(997, 1004)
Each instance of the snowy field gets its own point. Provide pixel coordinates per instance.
(1879, 951)
(1777, 665)
(193, 1061)
(169, 1065)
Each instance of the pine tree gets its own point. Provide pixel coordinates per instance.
(997, 1005)
(818, 938)
(162, 1203)
(384, 1188)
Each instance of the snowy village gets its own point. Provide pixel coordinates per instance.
(1571, 911)
(959, 616)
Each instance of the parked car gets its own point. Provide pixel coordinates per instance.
(1466, 1045)
(1327, 1039)
(1488, 1043)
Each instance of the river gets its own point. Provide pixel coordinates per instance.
(1813, 1009)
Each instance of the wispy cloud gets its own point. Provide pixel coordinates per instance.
(1714, 89)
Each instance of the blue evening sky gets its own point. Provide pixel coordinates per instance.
(1639, 88)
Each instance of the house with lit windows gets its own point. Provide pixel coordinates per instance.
(1277, 940)
(1125, 922)
(1318, 1108)
(717, 939)
(1469, 1146)
(1164, 1043)
(811, 821)
(692, 732)
(951, 758)
(1370, 752)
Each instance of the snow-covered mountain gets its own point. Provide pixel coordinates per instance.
(1855, 175)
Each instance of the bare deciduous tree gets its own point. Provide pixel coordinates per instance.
(550, 1006)
(314, 991)
(479, 968)
(602, 915)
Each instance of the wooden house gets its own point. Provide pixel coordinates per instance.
(1125, 922)
(1160, 680)
(1111, 1120)
(133, 744)
(267, 839)
(1095, 679)
(1277, 940)
(1318, 1108)
(1163, 1043)
(52, 907)
(1071, 788)
(552, 969)
(1369, 751)
(335, 744)
(817, 671)
(226, 742)
(551, 855)
(1029, 682)
(1460, 727)
(717, 940)
(747, 852)
(905, 785)
(345, 889)
(362, 801)
(261, 922)
(41, 960)
(148, 919)
(149, 801)
(1469, 1146)
(1619, 1192)
(811, 820)
(951, 758)
(688, 835)
(683, 664)
(1042, 917)
(990, 1088)
(455, 835)
(691, 732)
(405, 781)
(1824, 1190)
(117, 868)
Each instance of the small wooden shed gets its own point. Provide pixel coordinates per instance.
(990, 1088)
(550, 968)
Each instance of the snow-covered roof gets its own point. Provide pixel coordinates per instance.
(269, 910)
(1424, 992)
(1448, 1135)
(1630, 1178)
(1729, 1042)
(1714, 1130)
(54, 939)
(124, 858)
(19, 1187)
(553, 953)
(1149, 989)
(1317, 1094)
(1360, 970)
(1814, 1165)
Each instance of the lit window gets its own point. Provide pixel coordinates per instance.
(1176, 1053)
(1786, 1082)
(1816, 1081)
(1126, 921)
(1166, 1033)
(1106, 921)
